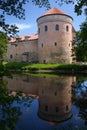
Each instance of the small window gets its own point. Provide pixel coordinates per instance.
(46, 28)
(46, 108)
(42, 44)
(44, 61)
(16, 45)
(67, 108)
(55, 93)
(57, 27)
(11, 56)
(57, 109)
(55, 43)
(39, 30)
(67, 28)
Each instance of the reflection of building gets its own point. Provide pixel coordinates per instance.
(55, 99)
(25, 84)
(52, 44)
(54, 94)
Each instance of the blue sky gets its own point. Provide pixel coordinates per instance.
(32, 12)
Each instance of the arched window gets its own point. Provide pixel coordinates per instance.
(55, 43)
(11, 56)
(42, 44)
(67, 28)
(46, 28)
(67, 108)
(38, 30)
(57, 27)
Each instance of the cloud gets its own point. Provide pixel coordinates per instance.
(23, 26)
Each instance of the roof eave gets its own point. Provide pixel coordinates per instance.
(54, 14)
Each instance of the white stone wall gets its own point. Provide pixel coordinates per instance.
(16, 50)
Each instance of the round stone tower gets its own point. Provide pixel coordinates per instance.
(55, 37)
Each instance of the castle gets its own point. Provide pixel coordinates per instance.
(52, 44)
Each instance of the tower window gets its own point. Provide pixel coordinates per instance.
(67, 28)
(39, 30)
(46, 108)
(42, 44)
(11, 56)
(57, 109)
(57, 27)
(67, 108)
(46, 28)
(55, 93)
(55, 43)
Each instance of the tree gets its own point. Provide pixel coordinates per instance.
(81, 52)
(3, 47)
(15, 8)
(81, 42)
(83, 32)
(78, 4)
(3, 44)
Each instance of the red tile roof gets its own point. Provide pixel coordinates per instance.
(54, 11)
(22, 38)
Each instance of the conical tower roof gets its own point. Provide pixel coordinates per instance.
(54, 11)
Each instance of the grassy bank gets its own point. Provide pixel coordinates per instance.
(41, 67)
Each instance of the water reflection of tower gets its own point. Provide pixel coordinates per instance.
(55, 98)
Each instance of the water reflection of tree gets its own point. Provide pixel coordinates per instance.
(81, 100)
(10, 113)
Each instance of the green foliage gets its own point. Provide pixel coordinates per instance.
(14, 65)
(83, 33)
(3, 49)
(16, 8)
(78, 4)
(3, 44)
(42, 3)
(81, 41)
(55, 67)
(81, 52)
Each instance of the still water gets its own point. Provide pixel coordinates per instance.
(45, 102)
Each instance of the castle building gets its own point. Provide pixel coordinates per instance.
(52, 44)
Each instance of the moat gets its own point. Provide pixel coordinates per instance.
(43, 102)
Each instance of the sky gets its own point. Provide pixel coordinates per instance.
(32, 12)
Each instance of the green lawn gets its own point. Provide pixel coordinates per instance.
(28, 66)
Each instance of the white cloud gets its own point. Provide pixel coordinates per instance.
(23, 26)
